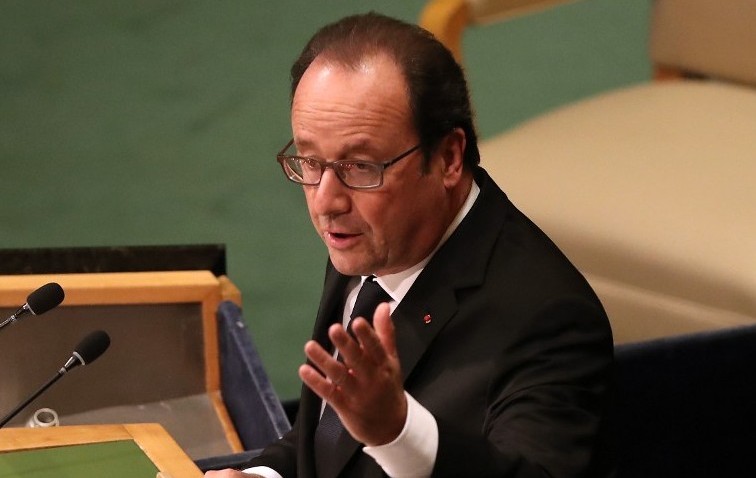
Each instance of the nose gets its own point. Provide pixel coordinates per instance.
(331, 197)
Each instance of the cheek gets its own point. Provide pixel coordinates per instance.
(388, 221)
(372, 214)
(376, 215)
(316, 217)
(419, 213)
(317, 203)
(309, 201)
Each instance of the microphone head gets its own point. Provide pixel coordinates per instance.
(92, 346)
(45, 298)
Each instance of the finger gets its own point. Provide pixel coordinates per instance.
(371, 348)
(384, 329)
(321, 386)
(344, 342)
(332, 370)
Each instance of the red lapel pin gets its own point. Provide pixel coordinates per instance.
(427, 319)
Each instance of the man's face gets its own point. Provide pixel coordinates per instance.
(340, 113)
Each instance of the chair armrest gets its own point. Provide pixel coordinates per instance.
(447, 19)
(235, 461)
(492, 11)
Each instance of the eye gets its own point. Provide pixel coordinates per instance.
(309, 164)
(357, 167)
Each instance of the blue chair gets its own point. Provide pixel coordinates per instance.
(686, 405)
(254, 407)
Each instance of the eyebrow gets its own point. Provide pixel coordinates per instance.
(358, 147)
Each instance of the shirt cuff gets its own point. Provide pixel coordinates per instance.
(413, 453)
(263, 471)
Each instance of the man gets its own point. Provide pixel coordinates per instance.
(491, 356)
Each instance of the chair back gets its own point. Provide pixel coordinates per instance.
(252, 402)
(714, 39)
(686, 405)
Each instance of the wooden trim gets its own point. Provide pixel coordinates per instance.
(152, 438)
(210, 305)
(164, 452)
(225, 420)
(12, 439)
(229, 291)
(116, 288)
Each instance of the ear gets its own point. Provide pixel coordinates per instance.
(452, 151)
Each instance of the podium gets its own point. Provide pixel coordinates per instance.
(162, 365)
(134, 451)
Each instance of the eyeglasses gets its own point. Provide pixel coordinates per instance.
(353, 173)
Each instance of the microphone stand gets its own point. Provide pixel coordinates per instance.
(7, 321)
(15, 316)
(36, 394)
(87, 351)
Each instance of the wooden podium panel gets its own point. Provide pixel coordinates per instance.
(162, 365)
(158, 446)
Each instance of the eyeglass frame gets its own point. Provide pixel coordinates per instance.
(381, 167)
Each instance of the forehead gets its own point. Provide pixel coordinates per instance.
(364, 99)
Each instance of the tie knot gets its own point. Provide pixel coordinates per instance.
(371, 294)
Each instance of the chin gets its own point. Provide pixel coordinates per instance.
(350, 267)
(349, 270)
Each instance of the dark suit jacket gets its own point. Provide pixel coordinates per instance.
(515, 363)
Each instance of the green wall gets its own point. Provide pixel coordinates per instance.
(157, 121)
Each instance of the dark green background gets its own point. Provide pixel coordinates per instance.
(129, 122)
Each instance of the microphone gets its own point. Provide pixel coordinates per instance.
(38, 302)
(88, 350)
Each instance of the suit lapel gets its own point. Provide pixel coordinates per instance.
(460, 263)
(331, 305)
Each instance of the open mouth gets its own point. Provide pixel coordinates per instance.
(341, 239)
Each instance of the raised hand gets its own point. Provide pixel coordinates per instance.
(365, 387)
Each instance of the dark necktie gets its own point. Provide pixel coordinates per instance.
(330, 428)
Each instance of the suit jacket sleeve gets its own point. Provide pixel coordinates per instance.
(547, 407)
(280, 455)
